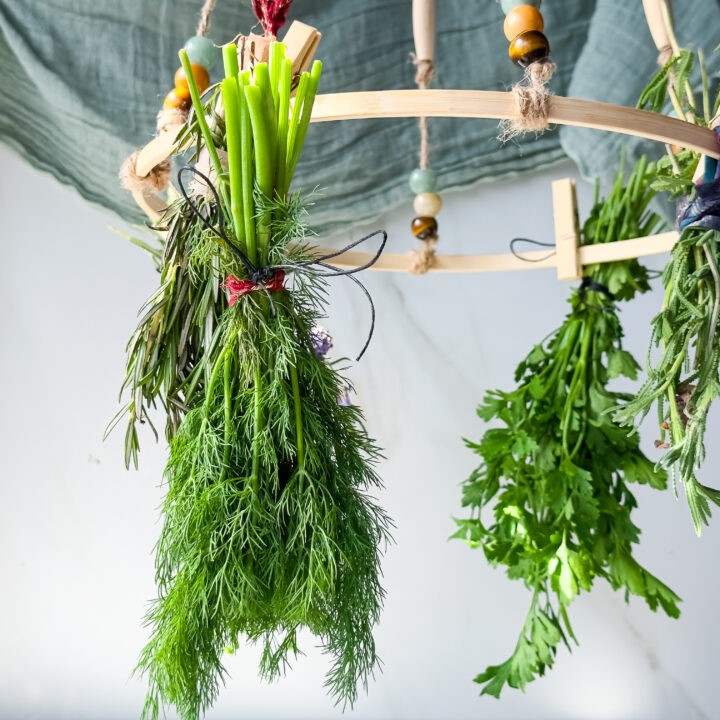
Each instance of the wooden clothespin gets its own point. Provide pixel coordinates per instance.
(567, 230)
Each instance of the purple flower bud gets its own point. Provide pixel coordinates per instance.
(320, 340)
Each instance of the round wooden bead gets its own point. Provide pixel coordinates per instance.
(423, 180)
(522, 19)
(528, 48)
(427, 204)
(508, 5)
(424, 228)
(202, 51)
(201, 75)
(172, 100)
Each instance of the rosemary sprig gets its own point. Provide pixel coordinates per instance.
(557, 471)
(684, 380)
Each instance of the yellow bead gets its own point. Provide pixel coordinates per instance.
(427, 204)
(201, 75)
(522, 19)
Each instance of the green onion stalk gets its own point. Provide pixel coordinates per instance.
(684, 371)
(551, 499)
(269, 528)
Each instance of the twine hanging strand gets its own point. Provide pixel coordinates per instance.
(205, 13)
(424, 61)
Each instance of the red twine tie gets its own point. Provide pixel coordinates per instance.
(237, 288)
(271, 14)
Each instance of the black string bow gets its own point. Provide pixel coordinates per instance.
(259, 275)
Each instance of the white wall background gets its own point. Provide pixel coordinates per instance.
(77, 530)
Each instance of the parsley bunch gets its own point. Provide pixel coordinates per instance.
(551, 499)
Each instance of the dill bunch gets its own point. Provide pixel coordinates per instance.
(685, 379)
(269, 522)
(556, 474)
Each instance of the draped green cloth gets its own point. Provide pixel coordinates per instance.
(82, 81)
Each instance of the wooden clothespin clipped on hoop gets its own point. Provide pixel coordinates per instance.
(567, 230)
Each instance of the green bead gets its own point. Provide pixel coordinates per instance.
(202, 51)
(508, 5)
(423, 180)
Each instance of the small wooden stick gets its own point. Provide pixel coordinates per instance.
(424, 29)
(658, 29)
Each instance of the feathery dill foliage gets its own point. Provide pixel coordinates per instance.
(557, 470)
(269, 523)
(685, 380)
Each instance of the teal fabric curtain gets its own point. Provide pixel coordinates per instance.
(82, 81)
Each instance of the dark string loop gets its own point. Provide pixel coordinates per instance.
(514, 241)
(259, 275)
(590, 285)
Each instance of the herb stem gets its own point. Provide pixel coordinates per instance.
(300, 439)
(202, 122)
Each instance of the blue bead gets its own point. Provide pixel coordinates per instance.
(202, 51)
(423, 180)
(508, 5)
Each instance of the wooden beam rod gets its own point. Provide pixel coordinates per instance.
(500, 106)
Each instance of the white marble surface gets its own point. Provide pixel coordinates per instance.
(77, 531)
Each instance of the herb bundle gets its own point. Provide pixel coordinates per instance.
(685, 380)
(268, 527)
(557, 471)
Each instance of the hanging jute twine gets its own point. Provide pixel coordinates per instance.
(532, 102)
(425, 71)
(156, 180)
(205, 13)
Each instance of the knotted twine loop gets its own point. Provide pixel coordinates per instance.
(271, 277)
(170, 118)
(422, 260)
(532, 102)
(156, 180)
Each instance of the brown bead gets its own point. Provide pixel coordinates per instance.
(424, 228)
(528, 48)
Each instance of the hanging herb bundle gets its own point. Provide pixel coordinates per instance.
(557, 471)
(685, 379)
(268, 526)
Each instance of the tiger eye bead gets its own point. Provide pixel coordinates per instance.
(528, 48)
(173, 100)
(522, 19)
(424, 228)
(201, 75)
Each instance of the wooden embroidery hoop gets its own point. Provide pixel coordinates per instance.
(569, 256)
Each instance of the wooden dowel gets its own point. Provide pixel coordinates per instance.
(423, 12)
(532, 260)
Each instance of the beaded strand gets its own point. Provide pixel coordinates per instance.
(523, 28)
